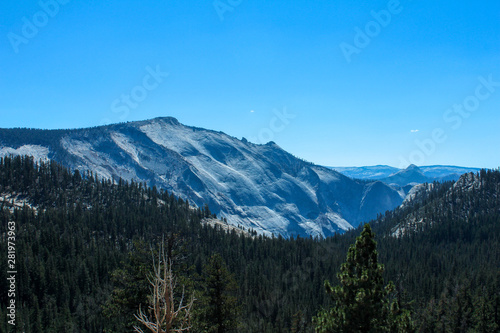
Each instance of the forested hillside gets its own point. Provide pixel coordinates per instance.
(443, 248)
(83, 256)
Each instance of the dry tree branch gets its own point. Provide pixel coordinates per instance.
(163, 307)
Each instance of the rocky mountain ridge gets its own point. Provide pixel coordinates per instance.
(261, 187)
(410, 176)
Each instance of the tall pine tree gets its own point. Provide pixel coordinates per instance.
(361, 302)
(221, 310)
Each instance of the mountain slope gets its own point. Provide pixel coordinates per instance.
(409, 176)
(383, 172)
(81, 240)
(256, 186)
(376, 172)
(473, 199)
(447, 233)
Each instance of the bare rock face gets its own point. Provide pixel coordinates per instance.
(255, 186)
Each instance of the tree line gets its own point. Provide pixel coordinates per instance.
(87, 247)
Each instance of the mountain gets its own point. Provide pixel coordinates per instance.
(88, 244)
(376, 172)
(409, 176)
(255, 186)
(472, 199)
(443, 246)
(446, 172)
(387, 173)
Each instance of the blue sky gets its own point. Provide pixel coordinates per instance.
(338, 83)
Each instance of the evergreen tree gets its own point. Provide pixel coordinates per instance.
(298, 323)
(221, 308)
(361, 301)
(484, 317)
(74, 232)
(131, 289)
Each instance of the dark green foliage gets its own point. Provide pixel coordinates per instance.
(80, 255)
(485, 316)
(361, 300)
(457, 310)
(447, 261)
(299, 323)
(79, 234)
(220, 308)
(131, 287)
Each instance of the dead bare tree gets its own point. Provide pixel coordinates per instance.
(164, 316)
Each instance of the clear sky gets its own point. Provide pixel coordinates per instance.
(339, 83)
